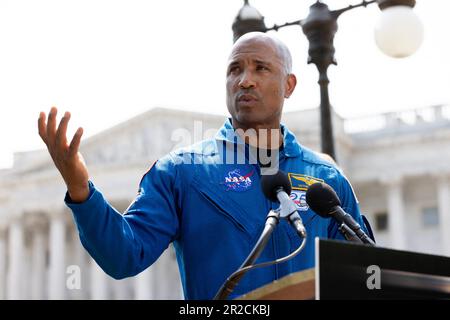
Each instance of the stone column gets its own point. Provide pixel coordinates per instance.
(167, 278)
(143, 284)
(2, 262)
(444, 213)
(15, 263)
(161, 281)
(80, 259)
(37, 226)
(124, 289)
(396, 214)
(99, 285)
(57, 268)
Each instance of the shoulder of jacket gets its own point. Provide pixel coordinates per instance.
(318, 158)
(204, 147)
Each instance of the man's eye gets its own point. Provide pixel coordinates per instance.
(234, 69)
(262, 68)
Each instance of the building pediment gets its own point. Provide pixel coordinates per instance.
(146, 136)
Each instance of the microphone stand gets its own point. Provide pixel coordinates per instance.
(272, 220)
(345, 219)
(348, 233)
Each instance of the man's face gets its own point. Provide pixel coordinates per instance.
(256, 84)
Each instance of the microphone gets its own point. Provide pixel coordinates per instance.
(274, 188)
(323, 200)
(277, 188)
(348, 233)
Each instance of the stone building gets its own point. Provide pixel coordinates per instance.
(398, 163)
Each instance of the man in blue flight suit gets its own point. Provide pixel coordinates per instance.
(208, 204)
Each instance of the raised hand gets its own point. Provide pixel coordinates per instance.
(68, 160)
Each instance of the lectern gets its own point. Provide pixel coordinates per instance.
(345, 270)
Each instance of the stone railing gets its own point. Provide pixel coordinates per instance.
(428, 115)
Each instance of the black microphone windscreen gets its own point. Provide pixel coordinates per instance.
(271, 183)
(321, 198)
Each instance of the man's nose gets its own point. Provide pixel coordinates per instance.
(246, 81)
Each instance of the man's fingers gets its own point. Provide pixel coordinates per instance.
(61, 138)
(42, 127)
(51, 126)
(75, 143)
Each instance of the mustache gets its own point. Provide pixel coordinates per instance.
(247, 93)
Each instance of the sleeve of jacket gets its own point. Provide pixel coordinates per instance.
(349, 204)
(123, 245)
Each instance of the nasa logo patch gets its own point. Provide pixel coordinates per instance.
(239, 181)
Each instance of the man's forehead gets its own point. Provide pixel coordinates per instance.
(254, 45)
(255, 49)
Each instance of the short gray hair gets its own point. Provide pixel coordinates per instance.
(285, 53)
(282, 48)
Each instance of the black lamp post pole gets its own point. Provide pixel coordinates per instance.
(319, 27)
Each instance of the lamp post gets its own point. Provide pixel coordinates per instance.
(398, 34)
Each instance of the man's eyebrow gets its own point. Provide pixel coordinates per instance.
(233, 63)
(262, 62)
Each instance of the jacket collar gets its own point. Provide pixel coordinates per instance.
(291, 146)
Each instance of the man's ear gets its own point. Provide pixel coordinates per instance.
(291, 82)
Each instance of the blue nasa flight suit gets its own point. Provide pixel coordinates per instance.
(213, 211)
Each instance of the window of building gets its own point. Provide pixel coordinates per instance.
(381, 221)
(430, 217)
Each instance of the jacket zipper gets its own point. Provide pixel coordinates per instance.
(228, 215)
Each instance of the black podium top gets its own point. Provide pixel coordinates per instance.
(352, 271)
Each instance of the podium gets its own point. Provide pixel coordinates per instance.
(345, 270)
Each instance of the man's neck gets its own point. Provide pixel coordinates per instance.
(260, 136)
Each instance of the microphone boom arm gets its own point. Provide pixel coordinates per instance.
(289, 211)
(347, 219)
(348, 233)
(272, 221)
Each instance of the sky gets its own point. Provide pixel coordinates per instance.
(106, 61)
